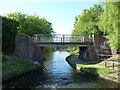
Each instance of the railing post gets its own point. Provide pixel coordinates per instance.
(105, 64)
(83, 39)
(93, 38)
(63, 37)
(113, 65)
(89, 38)
(36, 39)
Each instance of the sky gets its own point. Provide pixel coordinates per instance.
(60, 14)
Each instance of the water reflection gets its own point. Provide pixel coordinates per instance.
(57, 68)
(58, 74)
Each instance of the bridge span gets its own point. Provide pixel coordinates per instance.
(84, 42)
(63, 39)
(89, 45)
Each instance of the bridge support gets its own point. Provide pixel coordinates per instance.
(83, 54)
(88, 53)
(26, 48)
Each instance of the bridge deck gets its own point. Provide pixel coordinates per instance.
(63, 43)
(66, 40)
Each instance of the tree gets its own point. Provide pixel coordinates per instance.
(31, 24)
(108, 23)
(87, 22)
(9, 31)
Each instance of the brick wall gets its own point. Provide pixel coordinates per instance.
(26, 48)
(101, 45)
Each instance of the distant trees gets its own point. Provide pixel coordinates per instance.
(31, 24)
(109, 23)
(87, 22)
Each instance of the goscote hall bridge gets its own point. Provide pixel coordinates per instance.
(84, 42)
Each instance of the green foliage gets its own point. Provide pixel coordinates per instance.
(101, 19)
(12, 66)
(111, 77)
(9, 30)
(87, 23)
(73, 50)
(109, 20)
(31, 24)
(113, 58)
(14, 23)
(96, 69)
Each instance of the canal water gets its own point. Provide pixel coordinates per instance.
(58, 74)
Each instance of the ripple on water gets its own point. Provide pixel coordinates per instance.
(58, 74)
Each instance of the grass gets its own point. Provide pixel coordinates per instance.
(95, 69)
(108, 64)
(74, 52)
(107, 73)
(111, 77)
(102, 63)
(113, 58)
(12, 65)
(99, 70)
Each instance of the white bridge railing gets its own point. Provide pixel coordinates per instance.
(42, 38)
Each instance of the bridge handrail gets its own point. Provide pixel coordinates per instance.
(62, 38)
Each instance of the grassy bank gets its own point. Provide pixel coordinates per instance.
(76, 52)
(13, 66)
(97, 69)
(108, 73)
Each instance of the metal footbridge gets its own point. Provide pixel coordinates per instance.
(62, 39)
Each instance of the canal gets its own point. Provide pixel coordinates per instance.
(58, 74)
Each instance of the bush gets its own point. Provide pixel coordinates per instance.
(9, 31)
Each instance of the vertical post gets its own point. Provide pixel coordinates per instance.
(93, 38)
(113, 65)
(63, 37)
(106, 64)
(83, 39)
(89, 38)
(36, 39)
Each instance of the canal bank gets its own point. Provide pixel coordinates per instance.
(96, 69)
(27, 57)
(13, 66)
(57, 73)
